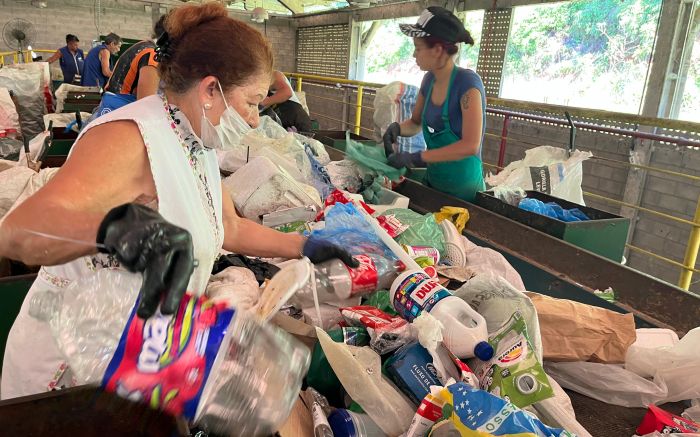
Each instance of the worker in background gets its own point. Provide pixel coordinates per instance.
(135, 75)
(71, 59)
(98, 67)
(449, 110)
(282, 99)
(143, 184)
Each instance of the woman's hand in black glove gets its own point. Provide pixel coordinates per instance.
(391, 136)
(143, 241)
(318, 251)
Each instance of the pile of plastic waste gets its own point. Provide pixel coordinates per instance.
(431, 335)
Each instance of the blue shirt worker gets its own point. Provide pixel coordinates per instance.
(98, 67)
(450, 109)
(71, 59)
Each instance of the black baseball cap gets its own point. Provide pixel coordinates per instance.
(440, 23)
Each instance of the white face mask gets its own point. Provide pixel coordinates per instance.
(230, 130)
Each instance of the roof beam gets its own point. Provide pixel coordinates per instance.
(295, 6)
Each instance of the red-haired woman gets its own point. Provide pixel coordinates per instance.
(143, 183)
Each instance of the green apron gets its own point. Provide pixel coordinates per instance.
(462, 178)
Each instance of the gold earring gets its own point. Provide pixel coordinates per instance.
(207, 106)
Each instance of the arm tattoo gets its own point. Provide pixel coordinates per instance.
(464, 101)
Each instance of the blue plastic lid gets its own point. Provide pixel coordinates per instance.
(483, 351)
(341, 423)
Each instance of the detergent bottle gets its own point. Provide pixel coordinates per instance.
(464, 330)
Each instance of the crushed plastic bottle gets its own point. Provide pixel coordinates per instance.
(216, 366)
(335, 281)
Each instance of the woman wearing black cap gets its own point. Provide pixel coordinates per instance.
(449, 110)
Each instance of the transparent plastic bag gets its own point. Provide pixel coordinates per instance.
(423, 230)
(87, 319)
(609, 383)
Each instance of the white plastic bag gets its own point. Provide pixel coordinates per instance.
(483, 259)
(643, 357)
(497, 300)
(359, 369)
(9, 119)
(546, 169)
(558, 412)
(395, 103)
(31, 106)
(609, 383)
(675, 377)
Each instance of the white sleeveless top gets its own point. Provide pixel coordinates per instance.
(188, 186)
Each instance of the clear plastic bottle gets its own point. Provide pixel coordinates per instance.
(247, 387)
(335, 281)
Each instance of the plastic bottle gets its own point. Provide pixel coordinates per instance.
(336, 281)
(464, 330)
(208, 363)
(345, 423)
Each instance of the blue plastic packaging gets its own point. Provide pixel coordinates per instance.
(553, 210)
(412, 370)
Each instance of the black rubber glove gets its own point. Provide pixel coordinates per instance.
(391, 136)
(406, 159)
(143, 241)
(318, 251)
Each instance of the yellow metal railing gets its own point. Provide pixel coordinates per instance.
(26, 56)
(687, 266)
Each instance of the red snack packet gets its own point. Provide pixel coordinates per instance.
(391, 225)
(370, 317)
(660, 420)
(338, 196)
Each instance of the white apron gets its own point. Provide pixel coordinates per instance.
(188, 188)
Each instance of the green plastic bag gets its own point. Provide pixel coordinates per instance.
(381, 300)
(422, 230)
(371, 158)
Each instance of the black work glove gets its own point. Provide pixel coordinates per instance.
(391, 136)
(318, 251)
(143, 241)
(406, 159)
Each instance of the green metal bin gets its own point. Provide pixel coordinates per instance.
(605, 234)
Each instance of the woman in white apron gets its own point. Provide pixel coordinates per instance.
(143, 182)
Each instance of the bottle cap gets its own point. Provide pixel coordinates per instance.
(341, 423)
(483, 351)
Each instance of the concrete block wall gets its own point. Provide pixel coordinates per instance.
(282, 34)
(129, 19)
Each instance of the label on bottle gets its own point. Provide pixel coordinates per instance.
(321, 426)
(165, 361)
(364, 277)
(418, 292)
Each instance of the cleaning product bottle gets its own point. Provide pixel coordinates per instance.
(335, 280)
(208, 363)
(464, 331)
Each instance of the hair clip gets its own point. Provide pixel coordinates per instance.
(163, 47)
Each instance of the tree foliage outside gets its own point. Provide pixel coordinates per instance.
(390, 54)
(587, 53)
(690, 103)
